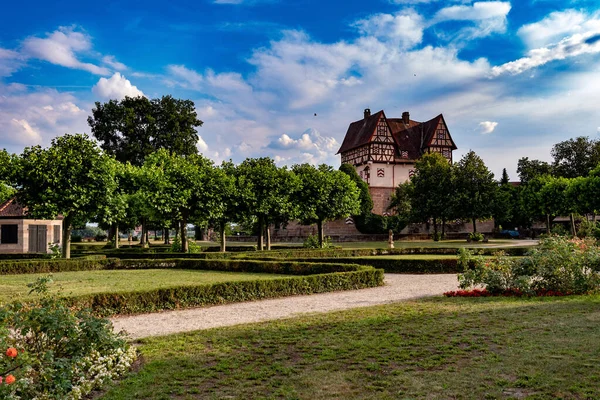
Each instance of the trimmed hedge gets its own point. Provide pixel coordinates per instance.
(58, 265)
(108, 304)
(23, 256)
(406, 266)
(344, 253)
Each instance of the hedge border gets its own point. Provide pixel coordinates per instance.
(110, 304)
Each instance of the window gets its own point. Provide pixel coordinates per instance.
(9, 234)
(56, 233)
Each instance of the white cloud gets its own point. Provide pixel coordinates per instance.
(10, 61)
(115, 87)
(487, 127)
(62, 47)
(556, 26)
(26, 134)
(201, 145)
(112, 62)
(571, 46)
(488, 17)
(405, 28)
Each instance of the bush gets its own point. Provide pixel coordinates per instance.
(57, 353)
(44, 266)
(588, 229)
(76, 238)
(476, 236)
(559, 230)
(312, 242)
(558, 265)
(100, 237)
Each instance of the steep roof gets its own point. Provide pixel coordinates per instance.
(11, 209)
(360, 132)
(408, 136)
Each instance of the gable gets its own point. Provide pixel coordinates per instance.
(438, 134)
(360, 132)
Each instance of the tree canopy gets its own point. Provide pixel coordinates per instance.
(135, 127)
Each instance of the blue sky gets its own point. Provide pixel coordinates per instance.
(511, 78)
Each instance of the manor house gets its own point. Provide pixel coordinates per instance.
(384, 150)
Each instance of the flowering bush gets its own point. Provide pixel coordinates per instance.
(53, 352)
(558, 265)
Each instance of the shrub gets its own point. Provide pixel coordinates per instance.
(58, 265)
(476, 236)
(559, 230)
(57, 353)
(100, 237)
(558, 265)
(312, 242)
(76, 238)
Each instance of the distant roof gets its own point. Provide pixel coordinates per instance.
(360, 132)
(412, 137)
(12, 209)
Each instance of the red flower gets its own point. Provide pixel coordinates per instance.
(10, 380)
(11, 352)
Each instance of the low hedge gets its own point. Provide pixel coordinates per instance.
(23, 256)
(108, 304)
(344, 253)
(58, 265)
(406, 266)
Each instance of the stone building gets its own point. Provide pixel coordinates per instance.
(21, 234)
(384, 150)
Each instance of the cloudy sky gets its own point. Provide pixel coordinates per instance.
(285, 78)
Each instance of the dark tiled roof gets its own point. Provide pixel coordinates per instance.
(360, 132)
(11, 209)
(408, 136)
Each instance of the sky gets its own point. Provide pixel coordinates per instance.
(285, 78)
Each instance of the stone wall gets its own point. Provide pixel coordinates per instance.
(382, 197)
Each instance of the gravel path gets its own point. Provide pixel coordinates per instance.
(397, 288)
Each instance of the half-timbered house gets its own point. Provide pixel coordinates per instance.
(384, 150)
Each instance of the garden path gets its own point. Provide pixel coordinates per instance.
(397, 288)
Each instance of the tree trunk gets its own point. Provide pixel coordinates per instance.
(321, 233)
(548, 224)
(572, 218)
(184, 239)
(66, 236)
(116, 237)
(443, 229)
(268, 235)
(166, 235)
(435, 230)
(222, 235)
(261, 229)
(474, 225)
(147, 238)
(143, 237)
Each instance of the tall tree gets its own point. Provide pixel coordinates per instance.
(325, 195)
(432, 193)
(182, 187)
(529, 169)
(227, 199)
(575, 157)
(135, 127)
(476, 188)
(266, 193)
(504, 180)
(72, 177)
(366, 203)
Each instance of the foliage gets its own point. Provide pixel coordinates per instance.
(558, 264)
(588, 228)
(62, 354)
(559, 230)
(56, 265)
(266, 193)
(324, 195)
(366, 203)
(575, 157)
(433, 190)
(193, 247)
(312, 242)
(72, 177)
(6, 175)
(476, 189)
(529, 169)
(476, 236)
(409, 265)
(135, 127)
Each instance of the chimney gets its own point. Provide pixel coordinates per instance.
(367, 113)
(406, 117)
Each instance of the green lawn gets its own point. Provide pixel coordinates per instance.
(13, 287)
(431, 349)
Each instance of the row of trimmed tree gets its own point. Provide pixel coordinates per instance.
(76, 179)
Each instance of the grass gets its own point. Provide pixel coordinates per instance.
(13, 287)
(441, 348)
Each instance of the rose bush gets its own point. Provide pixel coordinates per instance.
(53, 352)
(557, 265)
